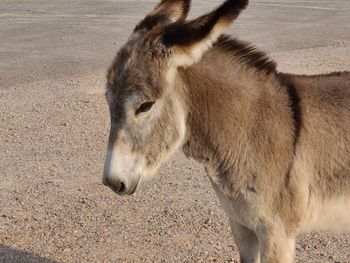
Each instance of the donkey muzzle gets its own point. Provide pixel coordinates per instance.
(116, 185)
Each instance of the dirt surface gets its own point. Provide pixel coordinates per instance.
(54, 124)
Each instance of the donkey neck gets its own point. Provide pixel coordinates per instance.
(235, 109)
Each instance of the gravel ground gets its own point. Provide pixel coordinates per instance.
(54, 124)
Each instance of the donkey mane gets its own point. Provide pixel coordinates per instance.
(246, 53)
(250, 56)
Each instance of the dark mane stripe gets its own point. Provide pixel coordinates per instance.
(294, 103)
(246, 53)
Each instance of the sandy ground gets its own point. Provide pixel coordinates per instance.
(54, 124)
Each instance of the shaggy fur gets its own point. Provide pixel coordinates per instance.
(276, 146)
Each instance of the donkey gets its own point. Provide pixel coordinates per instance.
(275, 146)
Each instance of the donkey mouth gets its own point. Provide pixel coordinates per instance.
(133, 190)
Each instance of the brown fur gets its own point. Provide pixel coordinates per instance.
(165, 13)
(276, 146)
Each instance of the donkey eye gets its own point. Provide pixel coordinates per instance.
(145, 107)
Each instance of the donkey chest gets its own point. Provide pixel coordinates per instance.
(236, 208)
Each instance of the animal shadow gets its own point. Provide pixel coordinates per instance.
(13, 255)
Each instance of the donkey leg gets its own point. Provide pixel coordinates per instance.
(276, 247)
(247, 242)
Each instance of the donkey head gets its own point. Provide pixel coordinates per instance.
(147, 108)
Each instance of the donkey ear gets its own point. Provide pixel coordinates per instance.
(166, 12)
(188, 41)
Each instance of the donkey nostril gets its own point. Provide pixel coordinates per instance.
(117, 186)
(121, 187)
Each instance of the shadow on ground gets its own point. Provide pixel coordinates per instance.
(12, 255)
